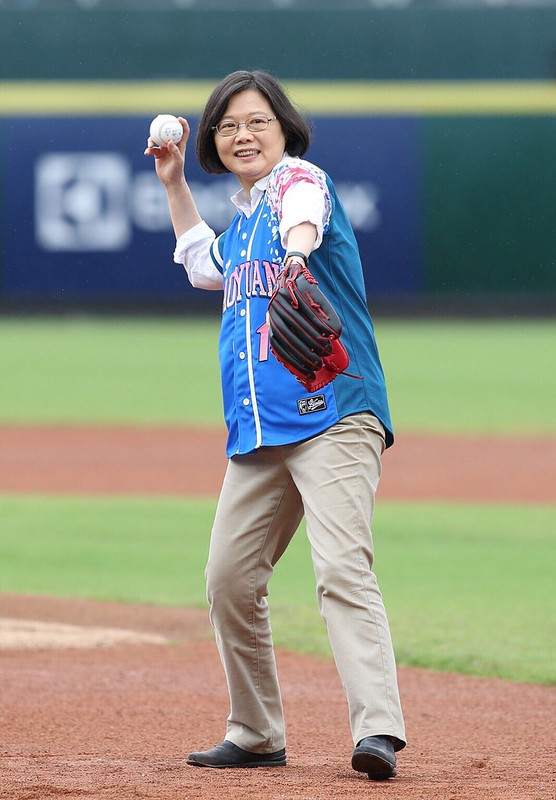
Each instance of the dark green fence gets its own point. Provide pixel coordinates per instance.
(415, 43)
(490, 205)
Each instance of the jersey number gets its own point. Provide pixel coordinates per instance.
(263, 341)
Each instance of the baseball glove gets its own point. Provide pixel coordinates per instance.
(304, 329)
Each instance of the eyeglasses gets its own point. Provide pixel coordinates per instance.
(254, 124)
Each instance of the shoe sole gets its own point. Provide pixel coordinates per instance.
(248, 765)
(378, 769)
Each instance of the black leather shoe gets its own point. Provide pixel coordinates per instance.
(228, 754)
(375, 756)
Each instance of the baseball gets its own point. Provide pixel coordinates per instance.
(164, 128)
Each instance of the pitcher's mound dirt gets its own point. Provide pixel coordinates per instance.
(114, 723)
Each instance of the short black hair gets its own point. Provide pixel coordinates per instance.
(295, 127)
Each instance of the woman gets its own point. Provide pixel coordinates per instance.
(290, 454)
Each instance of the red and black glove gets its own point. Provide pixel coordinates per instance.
(304, 328)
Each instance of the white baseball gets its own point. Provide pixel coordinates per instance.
(165, 128)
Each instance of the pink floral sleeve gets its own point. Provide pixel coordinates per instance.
(293, 171)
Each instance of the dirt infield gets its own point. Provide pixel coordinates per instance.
(102, 701)
(114, 722)
(191, 462)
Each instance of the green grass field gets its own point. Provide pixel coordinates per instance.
(468, 588)
(460, 376)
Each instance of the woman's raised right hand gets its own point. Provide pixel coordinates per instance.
(170, 160)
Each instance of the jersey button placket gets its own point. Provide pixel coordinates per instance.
(242, 372)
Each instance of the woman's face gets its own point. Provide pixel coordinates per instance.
(250, 155)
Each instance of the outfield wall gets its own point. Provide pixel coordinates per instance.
(419, 42)
(438, 127)
(441, 206)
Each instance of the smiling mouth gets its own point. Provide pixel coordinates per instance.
(246, 153)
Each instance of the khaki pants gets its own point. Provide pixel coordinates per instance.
(332, 480)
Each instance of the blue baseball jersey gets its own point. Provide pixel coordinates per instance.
(264, 405)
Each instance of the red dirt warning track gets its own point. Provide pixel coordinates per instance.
(182, 461)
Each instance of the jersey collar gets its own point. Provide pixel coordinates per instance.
(247, 203)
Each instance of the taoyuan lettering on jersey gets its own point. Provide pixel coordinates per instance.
(254, 278)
